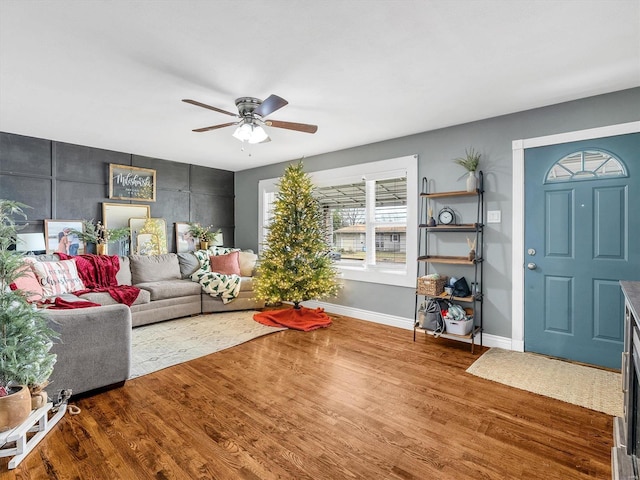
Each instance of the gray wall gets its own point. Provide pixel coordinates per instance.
(70, 182)
(436, 149)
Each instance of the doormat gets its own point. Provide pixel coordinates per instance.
(164, 344)
(581, 385)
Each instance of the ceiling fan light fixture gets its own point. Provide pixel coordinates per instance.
(251, 133)
(251, 114)
(244, 132)
(258, 135)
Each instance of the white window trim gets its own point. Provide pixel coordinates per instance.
(401, 166)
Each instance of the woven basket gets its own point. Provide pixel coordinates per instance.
(428, 286)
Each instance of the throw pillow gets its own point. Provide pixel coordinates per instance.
(28, 282)
(247, 262)
(57, 278)
(225, 264)
(189, 264)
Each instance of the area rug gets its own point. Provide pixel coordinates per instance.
(164, 344)
(578, 384)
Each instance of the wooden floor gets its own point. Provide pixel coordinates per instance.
(354, 401)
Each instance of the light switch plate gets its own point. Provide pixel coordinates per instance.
(494, 216)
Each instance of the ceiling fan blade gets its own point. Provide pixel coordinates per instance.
(214, 127)
(300, 127)
(215, 109)
(270, 105)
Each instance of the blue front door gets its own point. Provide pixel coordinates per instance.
(582, 235)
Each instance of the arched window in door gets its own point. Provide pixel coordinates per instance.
(586, 165)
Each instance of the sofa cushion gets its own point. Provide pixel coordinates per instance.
(124, 274)
(67, 297)
(246, 284)
(58, 277)
(154, 268)
(247, 260)
(170, 289)
(225, 264)
(103, 298)
(188, 264)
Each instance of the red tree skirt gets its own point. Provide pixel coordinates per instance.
(305, 319)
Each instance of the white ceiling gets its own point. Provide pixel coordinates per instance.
(111, 74)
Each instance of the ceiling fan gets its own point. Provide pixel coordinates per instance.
(251, 114)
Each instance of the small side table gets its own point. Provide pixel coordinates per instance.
(37, 422)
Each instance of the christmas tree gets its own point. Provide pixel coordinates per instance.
(295, 265)
(25, 337)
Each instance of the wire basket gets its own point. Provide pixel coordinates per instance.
(430, 286)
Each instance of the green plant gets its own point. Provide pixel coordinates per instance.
(470, 161)
(195, 230)
(203, 234)
(98, 234)
(25, 337)
(210, 236)
(89, 233)
(112, 234)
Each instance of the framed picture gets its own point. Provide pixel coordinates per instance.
(135, 225)
(145, 244)
(132, 183)
(117, 215)
(148, 236)
(184, 241)
(58, 236)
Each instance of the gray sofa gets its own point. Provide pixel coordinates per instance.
(94, 350)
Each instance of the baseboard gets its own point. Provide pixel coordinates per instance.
(375, 317)
(495, 341)
(488, 340)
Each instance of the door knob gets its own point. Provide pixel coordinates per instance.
(531, 266)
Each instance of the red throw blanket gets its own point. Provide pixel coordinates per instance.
(61, 304)
(98, 273)
(303, 318)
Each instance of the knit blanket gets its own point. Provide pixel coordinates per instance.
(62, 304)
(227, 287)
(98, 273)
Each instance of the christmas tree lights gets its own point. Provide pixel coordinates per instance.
(295, 265)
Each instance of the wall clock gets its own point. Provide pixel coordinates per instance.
(446, 216)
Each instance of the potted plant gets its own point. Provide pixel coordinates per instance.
(25, 337)
(209, 237)
(470, 162)
(203, 234)
(97, 234)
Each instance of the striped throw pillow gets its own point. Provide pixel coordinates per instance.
(57, 278)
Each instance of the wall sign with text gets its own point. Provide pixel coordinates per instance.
(132, 183)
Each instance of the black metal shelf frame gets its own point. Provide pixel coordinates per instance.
(425, 260)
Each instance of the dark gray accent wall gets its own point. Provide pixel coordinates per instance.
(493, 138)
(64, 181)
